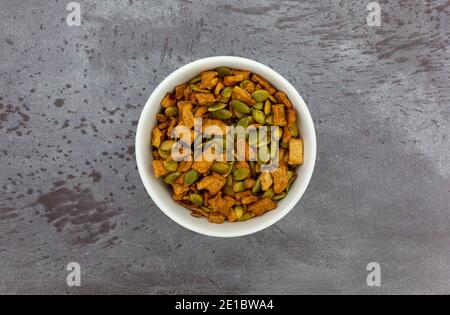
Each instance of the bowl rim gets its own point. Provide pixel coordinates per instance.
(301, 107)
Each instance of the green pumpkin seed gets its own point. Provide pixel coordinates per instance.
(217, 106)
(268, 194)
(291, 181)
(190, 177)
(274, 151)
(238, 187)
(226, 94)
(263, 154)
(243, 122)
(273, 99)
(294, 130)
(196, 88)
(240, 106)
(258, 106)
(239, 115)
(171, 166)
(269, 120)
(277, 134)
(221, 168)
(239, 211)
(244, 83)
(206, 209)
(253, 137)
(246, 217)
(195, 80)
(279, 197)
(224, 71)
(167, 145)
(228, 189)
(171, 111)
(267, 108)
(259, 117)
(241, 174)
(257, 188)
(196, 199)
(260, 95)
(290, 174)
(169, 179)
(163, 154)
(221, 114)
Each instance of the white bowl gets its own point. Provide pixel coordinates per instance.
(160, 193)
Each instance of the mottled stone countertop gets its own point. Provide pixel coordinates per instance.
(70, 98)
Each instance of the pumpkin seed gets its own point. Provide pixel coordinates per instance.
(221, 168)
(169, 179)
(231, 169)
(224, 71)
(217, 106)
(206, 209)
(258, 106)
(273, 99)
(260, 95)
(243, 122)
(195, 80)
(263, 154)
(226, 94)
(239, 115)
(244, 83)
(196, 88)
(264, 142)
(294, 130)
(259, 117)
(221, 114)
(239, 211)
(269, 120)
(268, 194)
(228, 189)
(171, 166)
(167, 145)
(241, 174)
(238, 187)
(190, 177)
(240, 106)
(274, 151)
(290, 174)
(279, 197)
(171, 111)
(277, 133)
(246, 217)
(163, 154)
(196, 199)
(257, 188)
(291, 181)
(267, 108)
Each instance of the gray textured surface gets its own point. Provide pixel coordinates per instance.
(70, 98)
